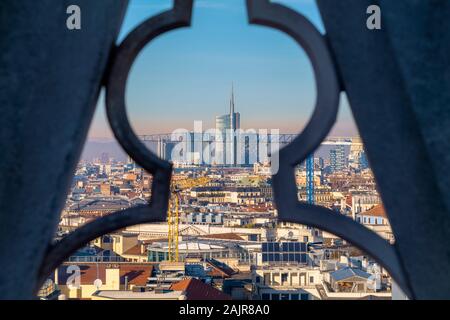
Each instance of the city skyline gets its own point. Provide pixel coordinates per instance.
(273, 80)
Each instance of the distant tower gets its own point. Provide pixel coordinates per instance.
(225, 124)
(337, 158)
(234, 125)
(161, 149)
(235, 117)
(232, 99)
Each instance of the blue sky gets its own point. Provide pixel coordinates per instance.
(186, 75)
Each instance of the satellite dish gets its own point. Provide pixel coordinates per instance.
(98, 283)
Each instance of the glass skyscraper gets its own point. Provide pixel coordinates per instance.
(226, 126)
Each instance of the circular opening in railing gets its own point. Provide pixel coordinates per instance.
(213, 94)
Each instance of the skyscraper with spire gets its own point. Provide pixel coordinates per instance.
(226, 126)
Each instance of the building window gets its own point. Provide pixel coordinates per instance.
(275, 296)
(311, 279)
(284, 278)
(265, 296)
(294, 296)
(304, 296)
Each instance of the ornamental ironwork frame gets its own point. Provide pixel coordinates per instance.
(329, 88)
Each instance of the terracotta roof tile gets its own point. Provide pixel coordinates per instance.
(88, 273)
(219, 269)
(137, 272)
(377, 211)
(197, 290)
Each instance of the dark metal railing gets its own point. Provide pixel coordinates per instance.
(285, 188)
(394, 114)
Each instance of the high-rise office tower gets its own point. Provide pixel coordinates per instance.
(226, 126)
(337, 158)
(161, 149)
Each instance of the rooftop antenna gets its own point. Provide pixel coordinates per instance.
(232, 100)
(232, 125)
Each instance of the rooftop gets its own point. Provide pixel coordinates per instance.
(189, 246)
(137, 273)
(100, 204)
(348, 272)
(197, 290)
(376, 211)
(223, 236)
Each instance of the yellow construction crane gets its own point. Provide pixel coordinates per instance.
(173, 215)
